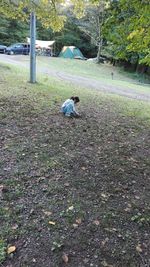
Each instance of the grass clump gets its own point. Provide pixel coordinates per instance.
(2, 251)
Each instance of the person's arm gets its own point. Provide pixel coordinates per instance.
(74, 110)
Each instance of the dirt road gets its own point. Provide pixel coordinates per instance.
(85, 82)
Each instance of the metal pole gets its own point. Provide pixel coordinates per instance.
(32, 48)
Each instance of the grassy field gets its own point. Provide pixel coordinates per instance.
(73, 192)
(49, 87)
(100, 72)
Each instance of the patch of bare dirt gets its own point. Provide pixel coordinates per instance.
(74, 192)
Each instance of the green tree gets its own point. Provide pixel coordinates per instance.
(4, 23)
(92, 22)
(127, 30)
(90, 19)
(72, 35)
(139, 36)
(46, 11)
(12, 31)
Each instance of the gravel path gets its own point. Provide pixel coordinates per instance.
(80, 80)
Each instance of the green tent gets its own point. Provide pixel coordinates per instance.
(71, 52)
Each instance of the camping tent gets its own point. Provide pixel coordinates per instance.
(71, 52)
(44, 45)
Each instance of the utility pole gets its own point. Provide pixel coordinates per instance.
(32, 48)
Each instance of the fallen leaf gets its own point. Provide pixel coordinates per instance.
(111, 230)
(1, 187)
(52, 223)
(15, 226)
(65, 258)
(96, 222)
(105, 241)
(11, 249)
(75, 225)
(104, 195)
(105, 264)
(1, 190)
(119, 235)
(66, 184)
(86, 260)
(31, 211)
(56, 245)
(47, 212)
(70, 208)
(78, 221)
(41, 179)
(114, 229)
(127, 209)
(138, 248)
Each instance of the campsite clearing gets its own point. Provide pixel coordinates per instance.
(73, 192)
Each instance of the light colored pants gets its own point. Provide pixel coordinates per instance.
(68, 110)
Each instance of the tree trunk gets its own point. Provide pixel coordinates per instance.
(137, 64)
(100, 38)
(99, 52)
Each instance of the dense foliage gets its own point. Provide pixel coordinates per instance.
(12, 31)
(46, 11)
(127, 30)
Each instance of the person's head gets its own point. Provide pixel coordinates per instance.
(76, 99)
(72, 97)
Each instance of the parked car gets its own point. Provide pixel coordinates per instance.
(18, 49)
(2, 48)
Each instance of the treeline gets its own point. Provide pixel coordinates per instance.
(13, 31)
(118, 30)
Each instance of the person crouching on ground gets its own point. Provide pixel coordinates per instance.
(68, 107)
